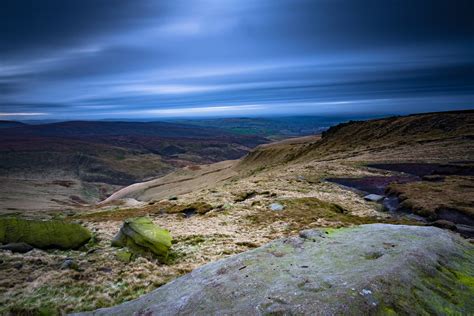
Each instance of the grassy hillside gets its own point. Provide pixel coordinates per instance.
(99, 156)
(355, 137)
(275, 128)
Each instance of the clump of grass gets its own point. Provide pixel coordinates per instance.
(242, 196)
(427, 198)
(160, 208)
(307, 212)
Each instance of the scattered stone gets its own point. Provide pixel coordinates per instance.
(142, 237)
(276, 207)
(43, 234)
(312, 234)
(69, 263)
(374, 197)
(173, 198)
(258, 282)
(365, 292)
(240, 197)
(19, 247)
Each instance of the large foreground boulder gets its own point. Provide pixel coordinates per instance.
(143, 237)
(370, 269)
(43, 234)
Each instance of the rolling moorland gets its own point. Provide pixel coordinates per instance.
(409, 181)
(70, 164)
(275, 128)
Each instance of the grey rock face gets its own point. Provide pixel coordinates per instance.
(365, 270)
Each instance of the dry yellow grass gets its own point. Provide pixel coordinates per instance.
(234, 225)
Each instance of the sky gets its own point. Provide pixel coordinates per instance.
(96, 59)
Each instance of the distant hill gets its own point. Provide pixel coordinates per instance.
(275, 128)
(8, 124)
(94, 158)
(352, 137)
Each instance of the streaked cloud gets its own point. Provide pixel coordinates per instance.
(215, 57)
(15, 114)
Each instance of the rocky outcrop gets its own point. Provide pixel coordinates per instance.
(369, 269)
(143, 237)
(43, 234)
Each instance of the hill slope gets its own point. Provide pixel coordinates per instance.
(227, 208)
(69, 164)
(433, 130)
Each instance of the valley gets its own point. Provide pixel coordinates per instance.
(219, 210)
(69, 164)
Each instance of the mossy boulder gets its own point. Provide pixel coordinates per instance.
(43, 234)
(143, 237)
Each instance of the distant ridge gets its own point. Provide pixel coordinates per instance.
(9, 124)
(356, 136)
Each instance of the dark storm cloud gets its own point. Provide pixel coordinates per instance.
(106, 58)
(388, 22)
(31, 26)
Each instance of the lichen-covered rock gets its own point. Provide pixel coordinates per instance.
(43, 234)
(365, 270)
(143, 237)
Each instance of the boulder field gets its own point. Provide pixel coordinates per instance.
(362, 270)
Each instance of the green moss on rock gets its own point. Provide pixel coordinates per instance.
(43, 234)
(124, 255)
(143, 237)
